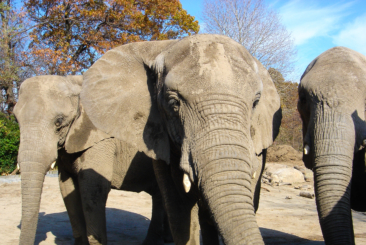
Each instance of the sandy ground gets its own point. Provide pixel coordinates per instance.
(283, 216)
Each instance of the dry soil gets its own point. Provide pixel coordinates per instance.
(284, 217)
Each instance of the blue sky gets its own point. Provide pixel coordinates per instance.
(316, 25)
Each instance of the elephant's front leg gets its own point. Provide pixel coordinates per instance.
(209, 233)
(182, 212)
(95, 183)
(71, 195)
(155, 234)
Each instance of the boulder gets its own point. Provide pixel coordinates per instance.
(282, 173)
(308, 174)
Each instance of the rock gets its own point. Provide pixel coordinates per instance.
(275, 179)
(285, 183)
(273, 167)
(307, 195)
(283, 153)
(305, 187)
(302, 169)
(282, 173)
(309, 175)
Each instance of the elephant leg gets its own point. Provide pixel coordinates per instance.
(209, 233)
(155, 234)
(71, 196)
(95, 184)
(182, 212)
(256, 179)
(168, 238)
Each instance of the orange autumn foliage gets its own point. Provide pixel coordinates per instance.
(71, 35)
(291, 124)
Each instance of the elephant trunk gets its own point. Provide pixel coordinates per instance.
(334, 138)
(225, 182)
(35, 157)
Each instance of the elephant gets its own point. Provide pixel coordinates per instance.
(55, 127)
(332, 93)
(205, 111)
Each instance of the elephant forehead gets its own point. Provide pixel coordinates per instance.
(40, 98)
(336, 69)
(211, 66)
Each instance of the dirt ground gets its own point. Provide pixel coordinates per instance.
(284, 217)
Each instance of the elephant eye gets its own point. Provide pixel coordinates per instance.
(256, 100)
(58, 122)
(174, 104)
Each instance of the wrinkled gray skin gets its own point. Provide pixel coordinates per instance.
(200, 106)
(332, 106)
(54, 126)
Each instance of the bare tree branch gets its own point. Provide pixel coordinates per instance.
(256, 27)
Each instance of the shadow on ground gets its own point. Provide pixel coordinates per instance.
(123, 227)
(273, 237)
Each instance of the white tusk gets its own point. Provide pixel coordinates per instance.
(18, 166)
(306, 149)
(186, 183)
(254, 174)
(53, 164)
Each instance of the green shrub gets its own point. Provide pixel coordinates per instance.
(9, 143)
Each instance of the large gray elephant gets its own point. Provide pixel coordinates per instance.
(205, 110)
(332, 95)
(54, 126)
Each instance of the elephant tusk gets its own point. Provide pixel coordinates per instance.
(254, 175)
(53, 164)
(18, 167)
(186, 183)
(306, 149)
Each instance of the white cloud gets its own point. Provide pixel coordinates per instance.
(309, 19)
(353, 36)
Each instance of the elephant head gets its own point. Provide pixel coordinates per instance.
(50, 117)
(204, 97)
(332, 106)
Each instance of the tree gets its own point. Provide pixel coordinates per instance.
(256, 27)
(12, 38)
(291, 125)
(71, 35)
(9, 143)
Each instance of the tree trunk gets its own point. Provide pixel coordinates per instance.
(334, 138)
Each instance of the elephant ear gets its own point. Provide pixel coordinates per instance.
(266, 119)
(83, 134)
(119, 96)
